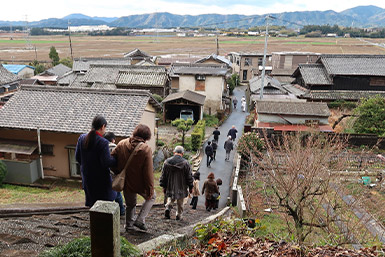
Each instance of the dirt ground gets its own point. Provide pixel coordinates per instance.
(115, 46)
(28, 236)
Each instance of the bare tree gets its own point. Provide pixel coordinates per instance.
(299, 171)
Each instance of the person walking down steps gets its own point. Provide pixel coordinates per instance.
(177, 181)
(229, 146)
(195, 190)
(209, 153)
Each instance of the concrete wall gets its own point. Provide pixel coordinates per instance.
(213, 90)
(292, 119)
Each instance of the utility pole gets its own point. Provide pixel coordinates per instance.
(264, 58)
(69, 36)
(217, 45)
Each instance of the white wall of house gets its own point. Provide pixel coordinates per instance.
(213, 90)
(148, 118)
(285, 119)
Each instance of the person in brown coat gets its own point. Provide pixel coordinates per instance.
(210, 189)
(139, 175)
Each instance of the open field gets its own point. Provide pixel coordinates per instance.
(116, 46)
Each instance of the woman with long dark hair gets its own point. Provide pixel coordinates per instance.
(93, 155)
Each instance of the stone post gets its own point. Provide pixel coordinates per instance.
(105, 229)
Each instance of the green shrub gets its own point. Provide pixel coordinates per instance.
(196, 141)
(81, 247)
(3, 172)
(211, 120)
(157, 98)
(342, 104)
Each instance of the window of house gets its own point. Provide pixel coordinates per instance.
(248, 61)
(46, 149)
(260, 61)
(238, 61)
(374, 81)
(200, 77)
(74, 165)
(200, 84)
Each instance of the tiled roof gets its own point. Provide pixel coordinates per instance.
(77, 81)
(198, 68)
(295, 89)
(102, 73)
(268, 82)
(83, 64)
(59, 70)
(172, 60)
(69, 110)
(127, 75)
(314, 74)
(143, 76)
(7, 77)
(330, 95)
(249, 53)
(215, 57)
(293, 108)
(16, 68)
(135, 54)
(187, 95)
(359, 65)
(67, 78)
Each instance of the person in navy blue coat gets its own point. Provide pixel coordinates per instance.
(93, 155)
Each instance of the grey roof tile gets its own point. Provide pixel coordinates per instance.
(59, 70)
(314, 74)
(359, 65)
(83, 64)
(330, 95)
(69, 110)
(187, 95)
(293, 108)
(7, 77)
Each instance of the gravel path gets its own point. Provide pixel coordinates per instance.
(28, 236)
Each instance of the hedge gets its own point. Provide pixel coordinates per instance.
(198, 135)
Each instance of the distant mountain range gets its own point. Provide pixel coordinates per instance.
(360, 16)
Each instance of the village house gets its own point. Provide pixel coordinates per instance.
(215, 59)
(136, 56)
(9, 83)
(167, 61)
(23, 71)
(174, 105)
(206, 79)
(272, 90)
(153, 78)
(52, 75)
(59, 115)
(82, 65)
(249, 64)
(285, 63)
(344, 77)
(292, 116)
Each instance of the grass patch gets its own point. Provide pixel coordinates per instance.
(11, 194)
(309, 43)
(242, 42)
(81, 247)
(34, 41)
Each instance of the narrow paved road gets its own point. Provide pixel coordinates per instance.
(221, 168)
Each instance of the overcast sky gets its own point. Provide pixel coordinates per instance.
(41, 9)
